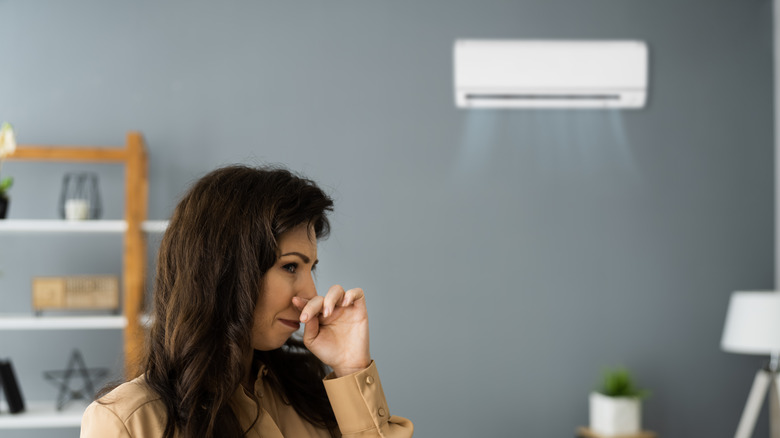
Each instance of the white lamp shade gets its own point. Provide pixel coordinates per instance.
(752, 323)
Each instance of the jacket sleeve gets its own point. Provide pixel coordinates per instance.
(359, 403)
(101, 422)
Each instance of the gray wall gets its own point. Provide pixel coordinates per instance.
(508, 255)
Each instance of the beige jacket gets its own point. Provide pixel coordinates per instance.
(133, 410)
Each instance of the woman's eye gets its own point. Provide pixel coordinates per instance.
(290, 267)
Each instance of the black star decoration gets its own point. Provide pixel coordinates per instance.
(76, 368)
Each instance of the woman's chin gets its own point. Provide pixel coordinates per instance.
(268, 345)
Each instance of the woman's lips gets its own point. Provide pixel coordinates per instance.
(292, 324)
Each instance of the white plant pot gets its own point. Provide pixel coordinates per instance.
(612, 416)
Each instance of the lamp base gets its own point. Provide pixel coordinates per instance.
(765, 380)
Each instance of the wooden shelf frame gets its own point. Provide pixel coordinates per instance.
(135, 159)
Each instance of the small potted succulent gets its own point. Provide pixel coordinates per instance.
(7, 147)
(616, 407)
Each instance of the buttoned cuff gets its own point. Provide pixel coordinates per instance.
(358, 400)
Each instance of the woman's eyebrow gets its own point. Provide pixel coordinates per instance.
(303, 257)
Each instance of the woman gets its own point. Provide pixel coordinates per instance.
(234, 281)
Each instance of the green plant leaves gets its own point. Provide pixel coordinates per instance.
(6, 184)
(618, 382)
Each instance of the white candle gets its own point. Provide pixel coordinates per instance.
(76, 209)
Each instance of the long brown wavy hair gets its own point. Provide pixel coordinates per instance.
(221, 240)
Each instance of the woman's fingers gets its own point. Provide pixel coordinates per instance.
(351, 296)
(332, 298)
(299, 302)
(312, 308)
(336, 297)
(311, 330)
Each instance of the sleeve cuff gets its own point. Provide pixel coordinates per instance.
(358, 400)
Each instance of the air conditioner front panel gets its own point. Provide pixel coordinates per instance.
(591, 73)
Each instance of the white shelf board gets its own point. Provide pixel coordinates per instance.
(43, 415)
(45, 322)
(154, 226)
(63, 226)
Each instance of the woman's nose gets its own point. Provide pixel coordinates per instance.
(308, 289)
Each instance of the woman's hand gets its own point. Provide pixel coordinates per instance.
(337, 329)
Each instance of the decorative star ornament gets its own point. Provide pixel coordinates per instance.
(76, 370)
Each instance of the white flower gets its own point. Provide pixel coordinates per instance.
(7, 140)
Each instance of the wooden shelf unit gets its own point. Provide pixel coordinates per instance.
(134, 157)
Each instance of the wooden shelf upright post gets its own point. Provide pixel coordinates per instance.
(136, 201)
(135, 159)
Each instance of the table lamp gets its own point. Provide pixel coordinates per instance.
(753, 327)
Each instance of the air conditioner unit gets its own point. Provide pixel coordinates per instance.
(550, 74)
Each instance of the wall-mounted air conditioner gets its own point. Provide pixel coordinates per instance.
(550, 74)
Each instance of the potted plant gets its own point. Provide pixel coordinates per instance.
(616, 407)
(7, 147)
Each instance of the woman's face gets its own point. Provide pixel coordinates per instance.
(275, 316)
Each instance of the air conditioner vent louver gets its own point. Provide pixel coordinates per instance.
(544, 96)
